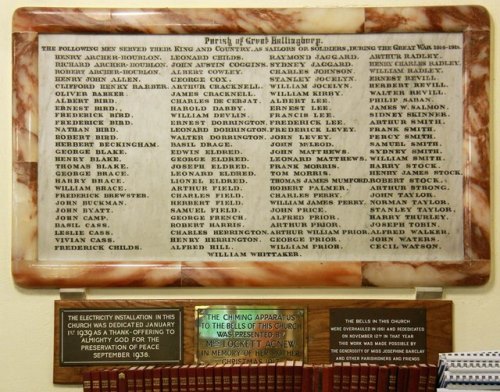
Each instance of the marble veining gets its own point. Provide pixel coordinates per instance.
(471, 20)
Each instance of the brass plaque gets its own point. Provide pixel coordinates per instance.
(249, 334)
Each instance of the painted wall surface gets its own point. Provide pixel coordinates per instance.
(26, 316)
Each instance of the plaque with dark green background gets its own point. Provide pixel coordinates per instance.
(378, 335)
(228, 334)
(111, 336)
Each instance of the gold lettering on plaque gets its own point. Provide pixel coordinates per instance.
(242, 334)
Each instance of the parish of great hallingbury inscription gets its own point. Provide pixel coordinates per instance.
(228, 147)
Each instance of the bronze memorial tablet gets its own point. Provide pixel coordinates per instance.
(353, 149)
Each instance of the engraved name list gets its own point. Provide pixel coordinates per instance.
(245, 147)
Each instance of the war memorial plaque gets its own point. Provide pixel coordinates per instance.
(255, 154)
(360, 157)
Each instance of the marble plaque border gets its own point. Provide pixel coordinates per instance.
(472, 21)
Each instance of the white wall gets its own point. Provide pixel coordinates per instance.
(26, 316)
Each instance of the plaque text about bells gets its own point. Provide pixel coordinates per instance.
(378, 335)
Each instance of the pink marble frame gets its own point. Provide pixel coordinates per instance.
(472, 21)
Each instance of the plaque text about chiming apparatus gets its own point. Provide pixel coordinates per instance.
(258, 334)
(314, 147)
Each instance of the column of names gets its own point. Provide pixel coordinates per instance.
(251, 147)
